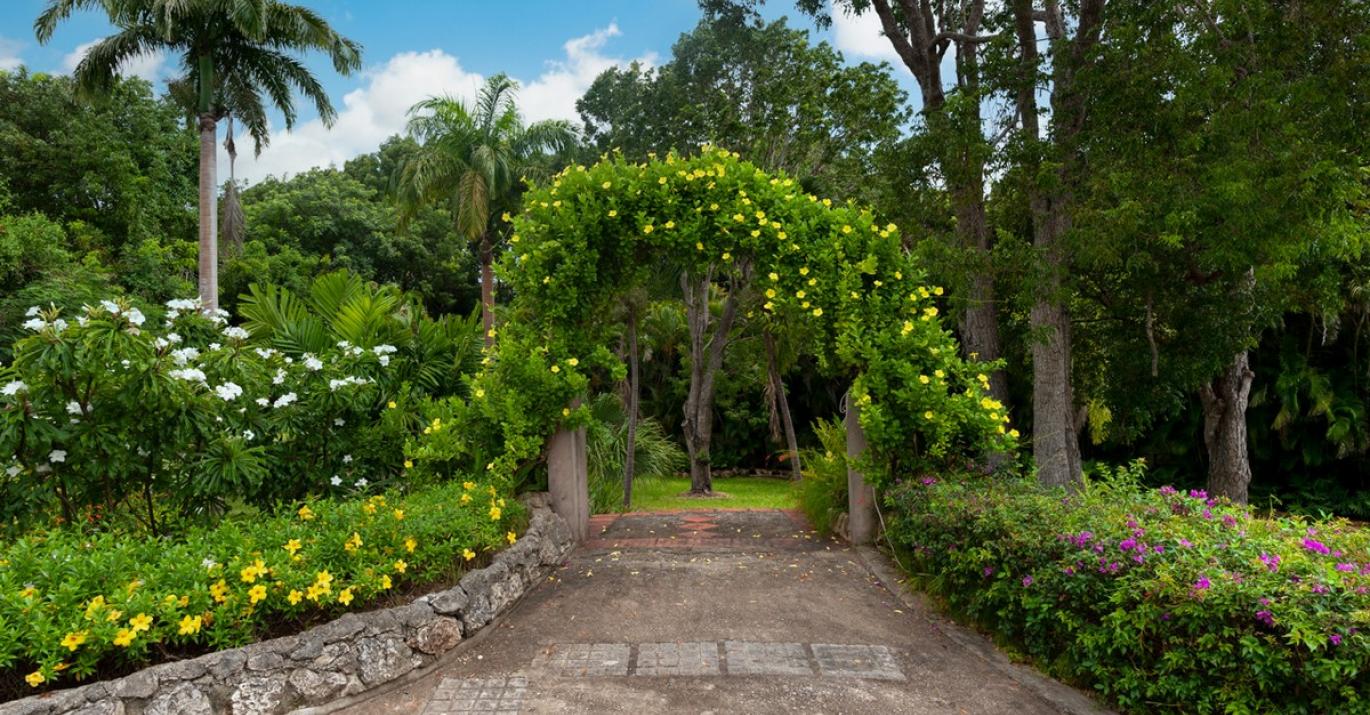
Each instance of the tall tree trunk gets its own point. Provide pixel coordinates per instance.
(634, 393)
(782, 403)
(487, 288)
(921, 46)
(1224, 404)
(706, 356)
(1055, 441)
(209, 216)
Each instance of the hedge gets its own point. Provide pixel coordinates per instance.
(75, 604)
(1160, 600)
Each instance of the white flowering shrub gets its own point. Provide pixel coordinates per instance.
(106, 416)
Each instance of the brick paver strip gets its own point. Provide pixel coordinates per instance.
(767, 658)
(455, 696)
(582, 659)
(856, 661)
(668, 659)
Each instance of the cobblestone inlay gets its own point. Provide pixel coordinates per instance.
(766, 658)
(856, 661)
(678, 659)
(579, 659)
(459, 696)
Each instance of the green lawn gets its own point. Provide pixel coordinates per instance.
(664, 494)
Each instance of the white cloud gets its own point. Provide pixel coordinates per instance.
(379, 108)
(147, 66)
(554, 94)
(368, 116)
(9, 54)
(860, 36)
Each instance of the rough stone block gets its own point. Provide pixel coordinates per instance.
(314, 687)
(142, 685)
(383, 659)
(451, 602)
(439, 635)
(260, 695)
(228, 664)
(184, 699)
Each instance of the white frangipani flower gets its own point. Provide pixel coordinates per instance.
(57, 456)
(228, 391)
(12, 388)
(284, 400)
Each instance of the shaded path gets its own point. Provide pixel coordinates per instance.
(712, 612)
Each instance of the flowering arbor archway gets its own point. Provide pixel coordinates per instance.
(830, 272)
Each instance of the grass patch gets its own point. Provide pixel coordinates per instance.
(664, 494)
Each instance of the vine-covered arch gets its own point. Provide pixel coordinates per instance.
(830, 272)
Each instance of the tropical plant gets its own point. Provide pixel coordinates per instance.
(823, 490)
(472, 159)
(654, 453)
(237, 56)
(341, 309)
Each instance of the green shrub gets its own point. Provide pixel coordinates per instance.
(823, 490)
(1160, 600)
(656, 454)
(73, 603)
(102, 414)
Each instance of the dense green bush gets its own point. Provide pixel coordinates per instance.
(103, 414)
(73, 602)
(1160, 600)
(655, 453)
(823, 490)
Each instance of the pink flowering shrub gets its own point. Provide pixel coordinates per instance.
(1161, 600)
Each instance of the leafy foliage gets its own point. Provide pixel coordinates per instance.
(1157, 598)
(823, 490)
(595, 232)
(104, 417)
(75, 602)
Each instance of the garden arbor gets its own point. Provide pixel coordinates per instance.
(829, 273)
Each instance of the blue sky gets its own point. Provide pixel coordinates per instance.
(554, 48)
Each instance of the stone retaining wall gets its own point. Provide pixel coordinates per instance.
(347, 656)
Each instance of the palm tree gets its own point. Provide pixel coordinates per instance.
(471, 159)
(236, 54)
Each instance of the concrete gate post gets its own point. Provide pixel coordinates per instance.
(568, 480)
(860, 494)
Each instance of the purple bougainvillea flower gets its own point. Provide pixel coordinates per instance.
(1198, 494)
(1208, 513)
(1158, 549)
(1319, 588)
(1167, 490)
(1271, 561)
(929, 481)
(1203, 584)
(1315, 545)
(1266, 617)
(988, 571)
(1027, 580)
(1186, 543)
(1127, 544)
(1334, 639)
(1229, 521)
(1348, 568)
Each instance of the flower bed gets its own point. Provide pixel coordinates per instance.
(74, 604)
(1158, 599)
